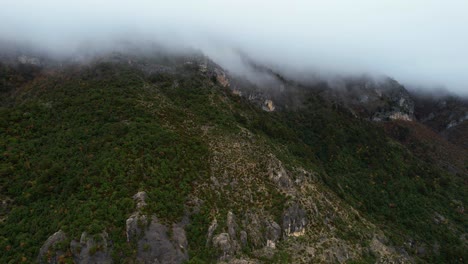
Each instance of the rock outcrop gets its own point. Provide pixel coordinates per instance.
(5, 206)
(156, 245)
(48, 252)
(23, 59)
(272, 233)
(268, 106)
(225, 244)
(156, 242)
(294, 221)
(92, 249)
(221, 78)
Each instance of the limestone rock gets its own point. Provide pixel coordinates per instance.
(221, 78)
(157, 245)
(23, 59)
(268, 106)
(243, 261)
(338, 254)
(132, 225)
(47, 253)
(92, 249)
(231, 224)
(243, 238)
(279, 175)
(224, 243)
(439, 219)
(5, 207)
(273, 233)
(211, 229)
(253, 227)
(294, 221)
(400, 116)
(140, 198)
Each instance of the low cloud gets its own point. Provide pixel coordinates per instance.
(420, 43)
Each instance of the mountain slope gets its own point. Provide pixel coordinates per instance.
(216, 177)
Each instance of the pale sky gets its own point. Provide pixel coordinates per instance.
(421, 42)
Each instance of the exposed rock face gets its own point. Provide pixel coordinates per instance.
(243, 261)
(253, 226)
(221, 78)
(156, 246)
(23, 59)
(237, 92)
(262, 234)
(446, 115)
(140, 198)
(272, 234)
(224, 243)
(377, 99)
(92, 249)
(294, 221)
(227, 243)
(458, 121)
(156, 243)
(203, 66)
(211, 230)
(136, 219)
(439, 219)
(243, 238)
(231, 224)
(313, 219)
(337, 251)
(268, 106)
(279, 175)
(5, 205)
(47, 253)
(393, 103)
(89, 250)
(384, 253)
(400, 116)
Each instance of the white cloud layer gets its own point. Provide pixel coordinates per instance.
(420, 42)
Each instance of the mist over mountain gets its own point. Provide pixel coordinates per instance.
(418, 43)
(243, 132)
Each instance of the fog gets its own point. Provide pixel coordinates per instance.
(419, 42)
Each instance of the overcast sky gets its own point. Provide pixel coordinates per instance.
(422, 42)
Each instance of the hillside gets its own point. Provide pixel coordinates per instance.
(169, 159)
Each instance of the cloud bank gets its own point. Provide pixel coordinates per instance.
(418, 42)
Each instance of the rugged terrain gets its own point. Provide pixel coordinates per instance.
(170, 159)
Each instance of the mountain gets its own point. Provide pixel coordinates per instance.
(445, 114)
(171, 159)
